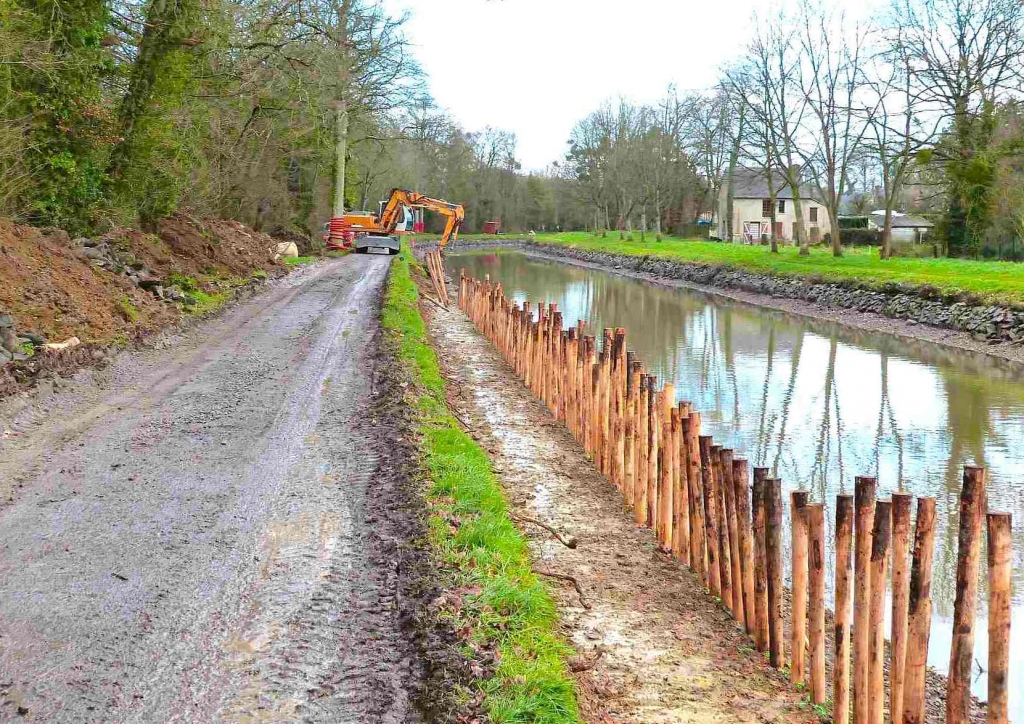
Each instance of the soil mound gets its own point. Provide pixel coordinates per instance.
(112, 287)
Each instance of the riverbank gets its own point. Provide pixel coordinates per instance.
(904, 315)
(495, 609)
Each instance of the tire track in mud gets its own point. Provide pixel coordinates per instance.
(221, 538)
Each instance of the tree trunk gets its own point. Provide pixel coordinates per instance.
(887, 232)
(734, 155)
(799, 232)
(833, 222)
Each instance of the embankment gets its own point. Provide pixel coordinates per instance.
(918, 312)
(491, 607)
(116, 289)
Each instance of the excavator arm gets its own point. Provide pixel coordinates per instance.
(398, 198)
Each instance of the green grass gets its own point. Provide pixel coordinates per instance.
(485, 559)
(990, 281)
(293, 261)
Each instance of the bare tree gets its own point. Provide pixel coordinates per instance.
(832, 82)
(963, 57)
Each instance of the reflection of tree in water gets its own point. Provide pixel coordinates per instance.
(720, 352)
(885, 413)
(787, 400)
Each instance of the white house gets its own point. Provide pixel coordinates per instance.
(752, 209)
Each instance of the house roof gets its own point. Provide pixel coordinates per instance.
(902, 221)
(752, 183)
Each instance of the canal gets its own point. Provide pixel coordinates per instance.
(818, 403)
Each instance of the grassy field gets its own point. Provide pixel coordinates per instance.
(484, 558)
(989, 280)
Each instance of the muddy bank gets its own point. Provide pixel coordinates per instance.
(992, 330)
(652, 646)
(116, 290)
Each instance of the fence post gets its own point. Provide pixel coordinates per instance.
(724, 560)
(735, 572)
(740, 476)
(864, 502)
(972, 510)
(653, 427)
(841, 610)
(901, 513)
(773, 551)
(692, 432)
(1000, 554)
(919, 621)
(710, 514)
(798, 629)
(881, 537)
(629, 428)
(758, 496)
(816, 600)
(640, 503)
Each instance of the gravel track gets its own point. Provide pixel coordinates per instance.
(199, 539)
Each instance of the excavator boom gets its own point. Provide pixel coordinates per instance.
(366, 228)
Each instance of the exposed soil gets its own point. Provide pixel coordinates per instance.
(51, 288)
(223, 529)
(652, 646)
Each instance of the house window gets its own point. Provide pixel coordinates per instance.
(782, 206)
(766, 207)
(814, 213)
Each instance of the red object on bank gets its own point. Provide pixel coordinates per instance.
(339, 236)
(491, 227)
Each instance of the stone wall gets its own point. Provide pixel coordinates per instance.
(990, 323)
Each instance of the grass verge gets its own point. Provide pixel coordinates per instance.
(988, 281)
(493, 599)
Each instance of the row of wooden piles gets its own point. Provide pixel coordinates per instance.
(698, 498)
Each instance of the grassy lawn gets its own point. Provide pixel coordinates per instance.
(486, 566)
(990, 280)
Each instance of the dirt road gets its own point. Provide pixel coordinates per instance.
(204, 537)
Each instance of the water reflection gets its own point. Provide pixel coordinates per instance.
(816, 402)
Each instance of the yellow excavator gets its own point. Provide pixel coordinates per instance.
(364, 230)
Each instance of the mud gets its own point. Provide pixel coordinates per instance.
(652, 646)
(220, 530)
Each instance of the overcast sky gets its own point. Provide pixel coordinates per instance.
(535, 67)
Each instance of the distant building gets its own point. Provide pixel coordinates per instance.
(905, 227)
(752, 209)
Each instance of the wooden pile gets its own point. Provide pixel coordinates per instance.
(702, 505)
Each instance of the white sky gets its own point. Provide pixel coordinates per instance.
(536, 67)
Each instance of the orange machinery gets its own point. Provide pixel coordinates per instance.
(364, 230)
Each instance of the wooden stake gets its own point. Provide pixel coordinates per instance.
(920, 609)
(692, 432)
(973, 503)
(864, 502)
(816, 601)
(798, 629)
(619, 432)
(881, 537)
(735, 570)
(841, 610)
(773, 551)
(629, 428)
(758, 496)
(640, 505)
(666, 514)
(1000, 555)
(680, 501)
(741, 476)
(653, 427)
(725, 562)
(710, 515)
(901, 513)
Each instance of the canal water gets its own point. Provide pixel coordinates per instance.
(818, 403)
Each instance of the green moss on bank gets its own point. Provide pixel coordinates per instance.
(501, 604)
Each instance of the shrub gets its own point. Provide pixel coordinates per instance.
(860, 237)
